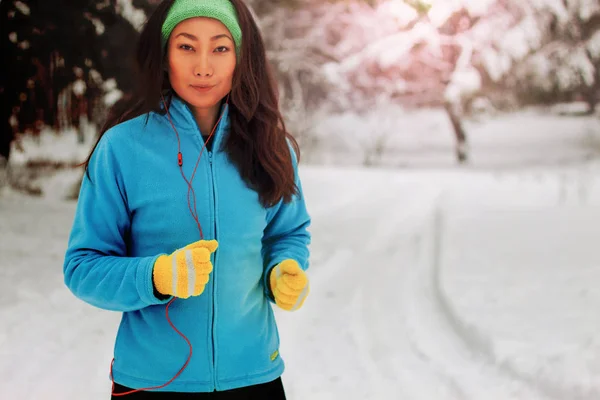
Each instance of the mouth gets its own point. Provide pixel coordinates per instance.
(202, 88)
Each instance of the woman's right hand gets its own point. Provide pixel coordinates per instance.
(186, 271)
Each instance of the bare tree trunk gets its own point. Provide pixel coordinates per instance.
(459, 132)
(591, 99)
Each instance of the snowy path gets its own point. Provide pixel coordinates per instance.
(366, 352)
(384, 329)
(381, 321)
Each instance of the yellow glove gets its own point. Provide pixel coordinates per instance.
(289, 285)
(186, 271)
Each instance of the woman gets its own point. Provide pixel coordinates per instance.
(191, 219)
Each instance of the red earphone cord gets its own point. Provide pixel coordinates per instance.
(194, 213)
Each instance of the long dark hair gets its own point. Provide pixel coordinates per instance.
(258, 140)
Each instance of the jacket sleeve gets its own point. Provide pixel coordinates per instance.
(286, 234)
(96, 266)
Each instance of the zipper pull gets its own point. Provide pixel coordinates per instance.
(210, 157)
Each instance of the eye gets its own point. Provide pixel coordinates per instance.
(222, 49)
(185, 47)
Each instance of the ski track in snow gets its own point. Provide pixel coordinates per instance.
(453, 353)
(413, 349)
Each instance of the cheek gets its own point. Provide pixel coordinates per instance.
(173, 68)
(228, 75)
(176, 69)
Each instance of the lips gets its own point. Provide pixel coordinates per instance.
(202, 88)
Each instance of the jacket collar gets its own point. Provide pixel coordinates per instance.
(184, 120)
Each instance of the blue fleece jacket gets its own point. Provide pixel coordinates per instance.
(135, 208)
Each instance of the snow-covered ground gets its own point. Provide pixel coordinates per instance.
(424, 139)
(450, 285)
(462, 283)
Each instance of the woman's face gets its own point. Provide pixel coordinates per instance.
(201, 61)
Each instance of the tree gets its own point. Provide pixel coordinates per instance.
(419, 55)
(440, 53)
(51, 44)
(565, 62)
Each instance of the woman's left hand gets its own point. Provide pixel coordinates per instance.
(289, 285)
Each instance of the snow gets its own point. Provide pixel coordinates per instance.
(79, 87)
(465, 81)
(426, 283)
(402, 13)
(98, 25)
(379, 51)
(441, 10)
(136, 17)
(553, 247)
(556, 7)
(22, 7)
(587, 9)
(563, 65)
(519, 41)
(496, 63)
(112, 92)
(529, 137)
(593, 45)
(574, 68)
(51, 148)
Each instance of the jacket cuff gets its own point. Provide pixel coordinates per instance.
(267, 281)
(145, 284)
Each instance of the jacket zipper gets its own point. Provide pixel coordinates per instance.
(214, 273)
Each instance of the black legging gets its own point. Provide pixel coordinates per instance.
(264, 391)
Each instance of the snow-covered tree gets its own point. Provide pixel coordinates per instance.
(295, 34)
(410, 52)
(565, 61)
(52, 47)
(449, 53)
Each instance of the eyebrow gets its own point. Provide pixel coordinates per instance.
(216, 37)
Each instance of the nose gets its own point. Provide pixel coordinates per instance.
(203, 67)
(202, 72)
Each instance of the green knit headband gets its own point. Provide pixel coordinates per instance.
(221, 10)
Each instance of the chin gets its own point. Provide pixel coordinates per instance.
(195, 103)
